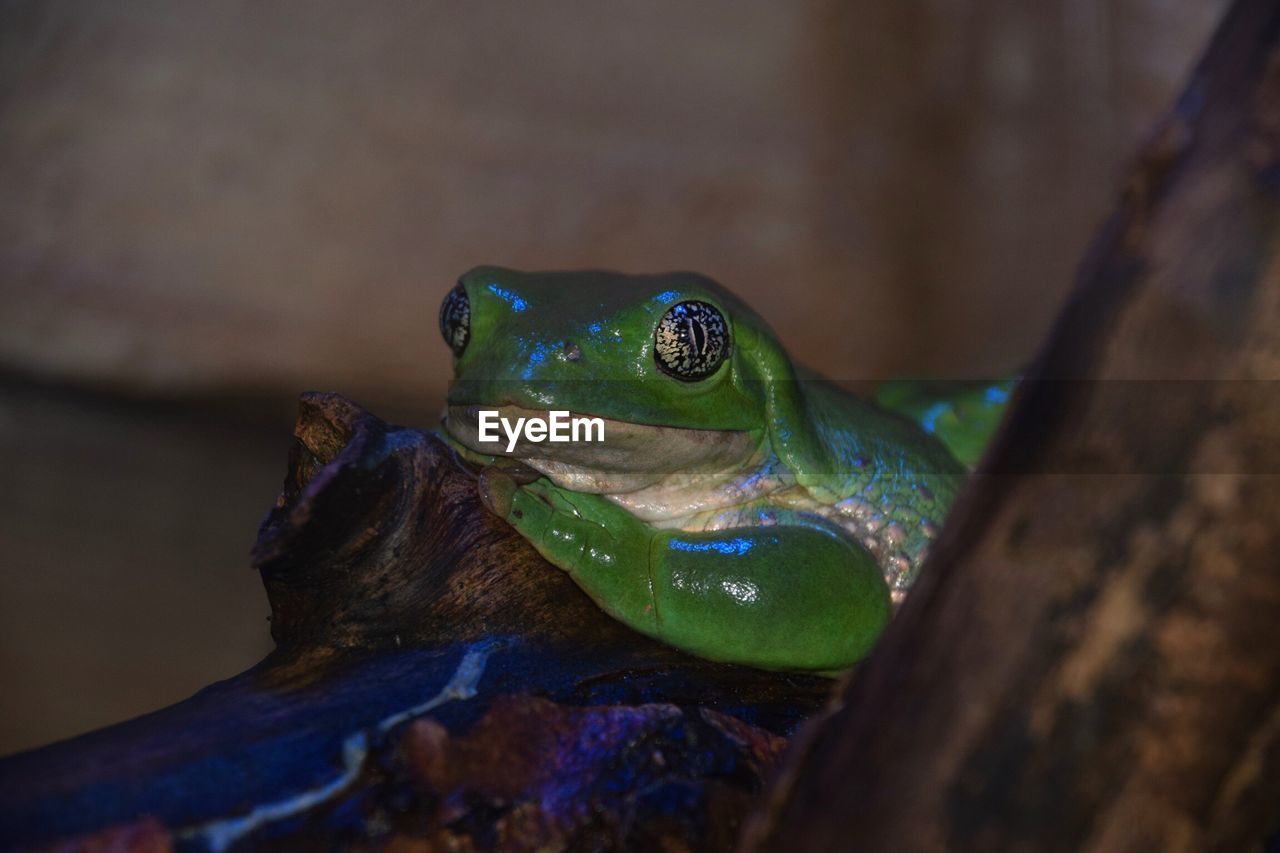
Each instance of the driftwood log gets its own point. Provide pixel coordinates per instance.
(1091, 658)
(434, 681)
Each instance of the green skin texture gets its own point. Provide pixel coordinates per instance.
(962, 415)
(795, 590)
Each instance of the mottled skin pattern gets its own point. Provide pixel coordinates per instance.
(755, 514)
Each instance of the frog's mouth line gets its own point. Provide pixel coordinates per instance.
(630, 456)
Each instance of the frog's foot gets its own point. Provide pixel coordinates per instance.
(784, 597)
(781, 597)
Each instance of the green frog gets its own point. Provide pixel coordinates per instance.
(734, 504)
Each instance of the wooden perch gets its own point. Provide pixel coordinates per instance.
(1091, 659)
(433, 679)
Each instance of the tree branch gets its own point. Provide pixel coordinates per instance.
(434, 680)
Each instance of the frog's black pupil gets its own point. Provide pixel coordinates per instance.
(699, 337)
(691, 341)
(455, 319)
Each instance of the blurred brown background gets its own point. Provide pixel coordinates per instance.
(209, 207)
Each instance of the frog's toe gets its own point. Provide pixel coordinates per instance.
(496, 489)
(530, 510)
(553, 497)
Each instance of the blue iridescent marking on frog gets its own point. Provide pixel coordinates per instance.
(733, 547)
(536, 357)
(515, 301)
(929, 420)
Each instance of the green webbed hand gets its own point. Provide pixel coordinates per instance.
(780, 596)
(590, 538)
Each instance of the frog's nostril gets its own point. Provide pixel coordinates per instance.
(572, 352)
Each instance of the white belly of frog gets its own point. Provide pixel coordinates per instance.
(765, 494)
(888, 543)
(676, 500)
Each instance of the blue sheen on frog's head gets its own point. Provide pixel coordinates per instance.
(668, 349)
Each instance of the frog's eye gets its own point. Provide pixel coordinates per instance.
(455, 319)
(691, 341)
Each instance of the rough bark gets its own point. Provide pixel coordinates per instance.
(435, 684)
(1091, 659)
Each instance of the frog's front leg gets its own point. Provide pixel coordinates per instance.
(779, 597)
(604, 548)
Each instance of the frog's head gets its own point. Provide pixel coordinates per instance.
(680, 369)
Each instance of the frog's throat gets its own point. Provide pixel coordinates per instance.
(631, 456)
